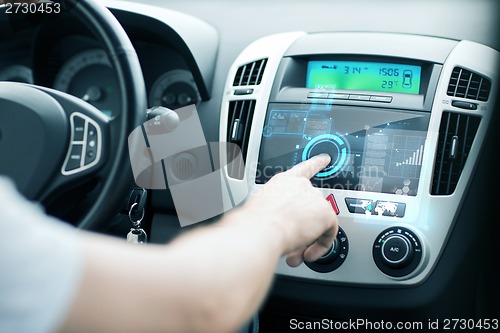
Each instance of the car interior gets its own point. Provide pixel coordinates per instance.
(401, 94)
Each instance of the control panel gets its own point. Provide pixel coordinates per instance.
(402, 118)
(397, 251)
(86, 144)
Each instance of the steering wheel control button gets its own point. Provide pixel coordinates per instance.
(92, 145)
(333, 203)
(371, 207)
(78, 127)
(91, 132)
(335, 257)
(85, 147)
(397, 251)
(90, 155)
(75, 157)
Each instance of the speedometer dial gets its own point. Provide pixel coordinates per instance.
(174, 90)
(89, 76)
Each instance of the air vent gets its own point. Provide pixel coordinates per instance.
(456, 134)
(465, 84)
(238, 132)
(250, 74)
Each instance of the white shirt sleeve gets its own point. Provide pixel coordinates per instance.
(41, 266)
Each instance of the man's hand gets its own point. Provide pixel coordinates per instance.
(300, 211)
(194, 283)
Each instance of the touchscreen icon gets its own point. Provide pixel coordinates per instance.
(333, 145)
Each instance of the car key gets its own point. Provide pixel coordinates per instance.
(136, 235)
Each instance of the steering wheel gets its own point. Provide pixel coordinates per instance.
(52, 142)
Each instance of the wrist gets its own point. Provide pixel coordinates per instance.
(267, 226)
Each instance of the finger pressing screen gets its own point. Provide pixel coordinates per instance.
(310, 167)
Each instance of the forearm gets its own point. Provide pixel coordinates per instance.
(233, 264)
(212, 279)
(196, 283)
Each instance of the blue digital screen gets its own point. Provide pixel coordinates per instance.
(372, 150)
(369, 76)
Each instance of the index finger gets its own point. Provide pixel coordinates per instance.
(310, 167)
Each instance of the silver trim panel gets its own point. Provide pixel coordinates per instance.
(429, 217)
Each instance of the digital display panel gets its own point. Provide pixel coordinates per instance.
(371, 76)
(373, 150)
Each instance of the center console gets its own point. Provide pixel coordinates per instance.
(402, 117)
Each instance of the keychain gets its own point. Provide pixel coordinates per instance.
(136, 235)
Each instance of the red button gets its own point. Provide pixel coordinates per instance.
(331, 200)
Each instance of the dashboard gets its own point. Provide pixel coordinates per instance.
(76, 65)
(391, 110)
(391, 134)
(403, 97)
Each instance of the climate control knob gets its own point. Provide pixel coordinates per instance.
(333, 258)
(397, 251)
(331, 255)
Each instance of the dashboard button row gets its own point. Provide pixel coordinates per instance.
(352, 97)
(375, 207)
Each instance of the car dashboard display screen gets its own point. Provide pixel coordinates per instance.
(371, 76)
(374, 150)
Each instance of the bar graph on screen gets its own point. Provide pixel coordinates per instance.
(406, 156)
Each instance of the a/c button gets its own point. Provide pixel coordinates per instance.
(396, 250)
